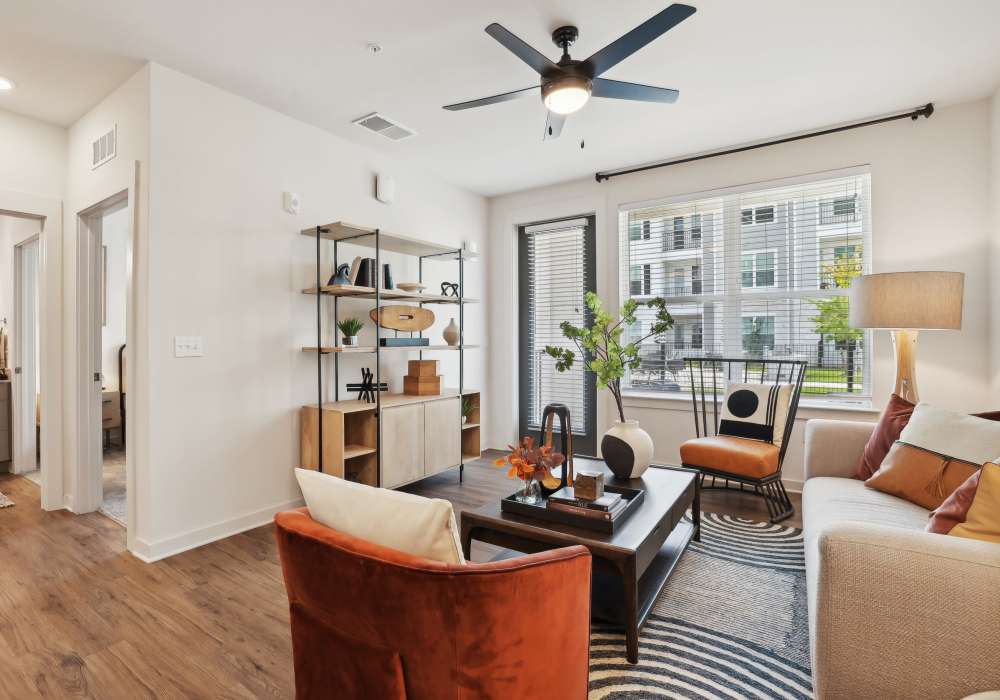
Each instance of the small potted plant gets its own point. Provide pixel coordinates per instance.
(626, 448)
(531, 465)
(466, 410)
(350, 328)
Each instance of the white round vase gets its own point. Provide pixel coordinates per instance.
(627, 449)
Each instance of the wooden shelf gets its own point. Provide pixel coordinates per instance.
(469, 426)
(351, 451)
(393, 242)
(386, 294)
(351, 349)
(388, 400)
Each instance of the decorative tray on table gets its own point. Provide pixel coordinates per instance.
(607, 525)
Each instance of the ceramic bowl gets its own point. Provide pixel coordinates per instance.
(411, 286)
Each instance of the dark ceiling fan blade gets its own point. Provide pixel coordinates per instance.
(495, 99)
(602, 87)
(522, 50)
(553, 126)
(626, 45)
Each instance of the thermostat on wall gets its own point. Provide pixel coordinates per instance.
(385, 189)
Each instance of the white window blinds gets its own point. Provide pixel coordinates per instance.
(556, 283)
(760, 272)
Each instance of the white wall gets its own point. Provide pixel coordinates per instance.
(114, 238)
(226, 263)
(931, 210)
(128, 107)
(995, 260)
(33, 156)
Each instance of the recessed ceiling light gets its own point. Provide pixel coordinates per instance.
(6, 83)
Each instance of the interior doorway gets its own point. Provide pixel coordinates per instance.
(104, 271)
(20, 361)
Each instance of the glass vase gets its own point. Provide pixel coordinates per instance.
(530, 493)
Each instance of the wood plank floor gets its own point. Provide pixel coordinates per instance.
(82, 618)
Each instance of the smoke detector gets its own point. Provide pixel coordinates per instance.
(382, 125)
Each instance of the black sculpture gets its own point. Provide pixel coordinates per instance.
(549, 414)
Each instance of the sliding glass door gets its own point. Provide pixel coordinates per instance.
(556, 261)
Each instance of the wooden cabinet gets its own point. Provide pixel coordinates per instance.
(420, 436)
(442, 436)
(402, 444)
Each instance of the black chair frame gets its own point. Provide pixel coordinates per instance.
(770, 488)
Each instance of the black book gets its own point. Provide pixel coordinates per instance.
(372, 273)
(567, 497)
(361, 279)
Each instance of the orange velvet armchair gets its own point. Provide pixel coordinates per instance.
(373, 622)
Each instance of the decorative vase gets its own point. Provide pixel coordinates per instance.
(627, 449)
(530, 493)
(342, 277)
(350, 340)
(451, 333)
(387, 276)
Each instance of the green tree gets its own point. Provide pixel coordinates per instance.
(831, 321)
(601, 343)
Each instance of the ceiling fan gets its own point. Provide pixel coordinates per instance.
(567, 85)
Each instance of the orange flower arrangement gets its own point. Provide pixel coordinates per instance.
(529, 462)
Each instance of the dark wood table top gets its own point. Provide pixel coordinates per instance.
(664, 486)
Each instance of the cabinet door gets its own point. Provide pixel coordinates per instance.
(402, 444)
(442, 435)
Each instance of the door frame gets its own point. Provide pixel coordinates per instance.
(49, 210)
(90, 484)
(588, 446)
(24, 416)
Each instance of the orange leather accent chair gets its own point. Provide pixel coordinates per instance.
(733, 455)
(373, 622)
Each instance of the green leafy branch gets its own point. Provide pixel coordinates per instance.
(601, 342)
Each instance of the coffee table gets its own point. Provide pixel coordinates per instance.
(631, 566)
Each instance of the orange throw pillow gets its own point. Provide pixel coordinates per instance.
(973, 510)
(890, 424)
(920, 476)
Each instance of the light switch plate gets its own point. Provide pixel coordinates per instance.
(188, 346)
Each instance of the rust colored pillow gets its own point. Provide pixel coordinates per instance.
(890, 424)
(920, 476)
(973, 510)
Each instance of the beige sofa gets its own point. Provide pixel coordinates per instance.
(894, 611)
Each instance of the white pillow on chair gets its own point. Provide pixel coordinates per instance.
(423, 527)
(756, 411)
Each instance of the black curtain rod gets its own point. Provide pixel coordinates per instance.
(926, 111)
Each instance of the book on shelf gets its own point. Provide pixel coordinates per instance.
(361, 279)
(567, 497)
(589, 512)
(355, 266)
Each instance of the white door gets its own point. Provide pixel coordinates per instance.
(26, 366)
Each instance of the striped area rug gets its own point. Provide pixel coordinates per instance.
(731, 623)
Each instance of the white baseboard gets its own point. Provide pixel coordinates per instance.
(793, 485)
(150, 552)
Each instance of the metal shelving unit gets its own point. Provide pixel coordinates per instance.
(341, 232)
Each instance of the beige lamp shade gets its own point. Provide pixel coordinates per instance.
(908, 301)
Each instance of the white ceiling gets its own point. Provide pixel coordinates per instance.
(745, 70)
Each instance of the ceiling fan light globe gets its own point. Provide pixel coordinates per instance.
(566, 95)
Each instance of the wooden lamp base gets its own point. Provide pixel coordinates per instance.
(904, 348)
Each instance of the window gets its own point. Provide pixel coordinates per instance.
(678, 232)
(641, 232)
(839, 210)
(746, 291)
(757, 270)
(696, 229)
(758, 215)
(641, 281)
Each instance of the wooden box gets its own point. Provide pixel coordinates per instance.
(422, 368)
(422, 386)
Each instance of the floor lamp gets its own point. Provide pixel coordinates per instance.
(905, 303)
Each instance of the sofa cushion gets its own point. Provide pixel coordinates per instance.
(731, 455)
(422, 527)
(828, 499)
(920, 476)
(969, 438)
(894, 418)
(973, 510)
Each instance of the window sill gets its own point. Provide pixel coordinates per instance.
(679, 402)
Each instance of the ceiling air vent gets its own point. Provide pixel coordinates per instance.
(384, 126)
(104, 147)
